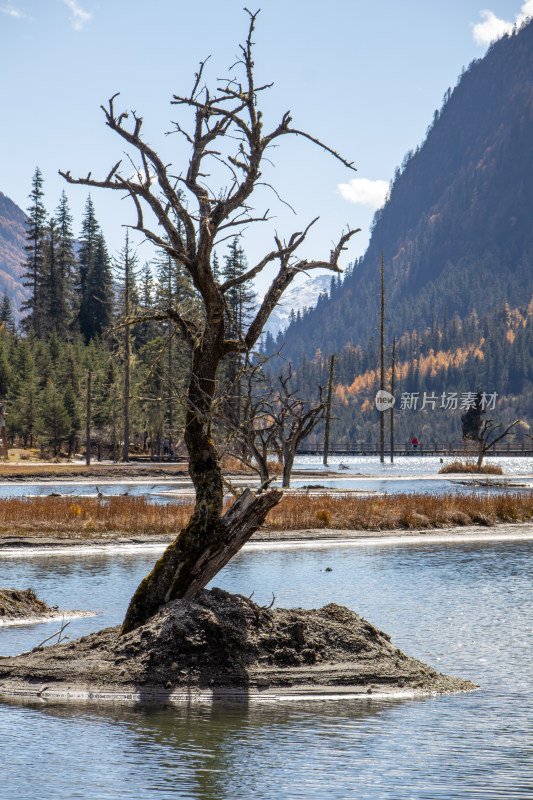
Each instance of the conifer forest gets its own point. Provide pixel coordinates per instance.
(89, 347)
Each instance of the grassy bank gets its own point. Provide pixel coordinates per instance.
(89, 517)
(73, 472)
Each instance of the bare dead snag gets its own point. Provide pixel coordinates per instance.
(294, 419)
(227, 127)
(490, 433)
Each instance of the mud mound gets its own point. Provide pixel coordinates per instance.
(17, 604)
(219, 643)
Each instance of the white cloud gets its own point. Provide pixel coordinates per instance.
(493, 27)
(490, 29)
(525, 12)
(11, 11)
(365, 192)
(78, 17)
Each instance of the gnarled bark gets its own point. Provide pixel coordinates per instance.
(199, 552)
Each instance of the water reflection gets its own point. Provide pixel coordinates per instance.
(156, 493)
(443, 747)
(300, 750)
(465, 608)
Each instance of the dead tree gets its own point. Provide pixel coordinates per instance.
(293, 419)
(252, 438)
(273, 421)
(488, 435)
(327, 421)
(227, 127)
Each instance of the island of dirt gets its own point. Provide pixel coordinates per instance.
(18, 604)
(224, 646)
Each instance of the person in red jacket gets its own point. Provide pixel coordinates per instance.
(414, 442)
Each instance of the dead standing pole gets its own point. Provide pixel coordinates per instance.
(382, 364)
(88, 421)
(3, 436)
(328, 411)
(392, 405)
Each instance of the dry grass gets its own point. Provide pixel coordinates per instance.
(471, 466)
(401, 511)
(90, 517)
(232, 464)
(51, 472)
(62, 470)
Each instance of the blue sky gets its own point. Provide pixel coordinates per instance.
(365, 77)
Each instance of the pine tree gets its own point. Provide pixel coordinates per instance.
(25, 393)
(98, 304)
(5, 366)
(240, 298)
(53, 422)
(66, 259)
(127, 304)
(34, 264)
(7, 317)
(145, 330)
(54, 289)
(94, 284)
(239, 301)
(174, 290)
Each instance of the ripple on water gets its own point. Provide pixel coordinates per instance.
(465, 608)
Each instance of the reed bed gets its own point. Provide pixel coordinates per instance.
(470, 466)
(399, 511)
(90, 517)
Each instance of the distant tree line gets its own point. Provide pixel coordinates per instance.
(90, 312)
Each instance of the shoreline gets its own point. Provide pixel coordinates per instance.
(106, 695)
(17, 545)
(59, 616)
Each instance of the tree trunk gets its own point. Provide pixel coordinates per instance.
(393, 375)
(382, 364)
(260, 456)
(288, 462)
(210, 539)
(198, 554)
(127, 364)
(88, 421)
(328, 411)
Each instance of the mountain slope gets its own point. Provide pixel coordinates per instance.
(456, 230)
(305, 295)
(12, 241)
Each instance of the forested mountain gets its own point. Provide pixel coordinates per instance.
(457, 241)
(456, 229)
(12, 254)
(437, 372)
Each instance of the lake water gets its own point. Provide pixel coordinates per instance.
(362, 473)
(406, 465)
(156, 492)
(464, 608)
